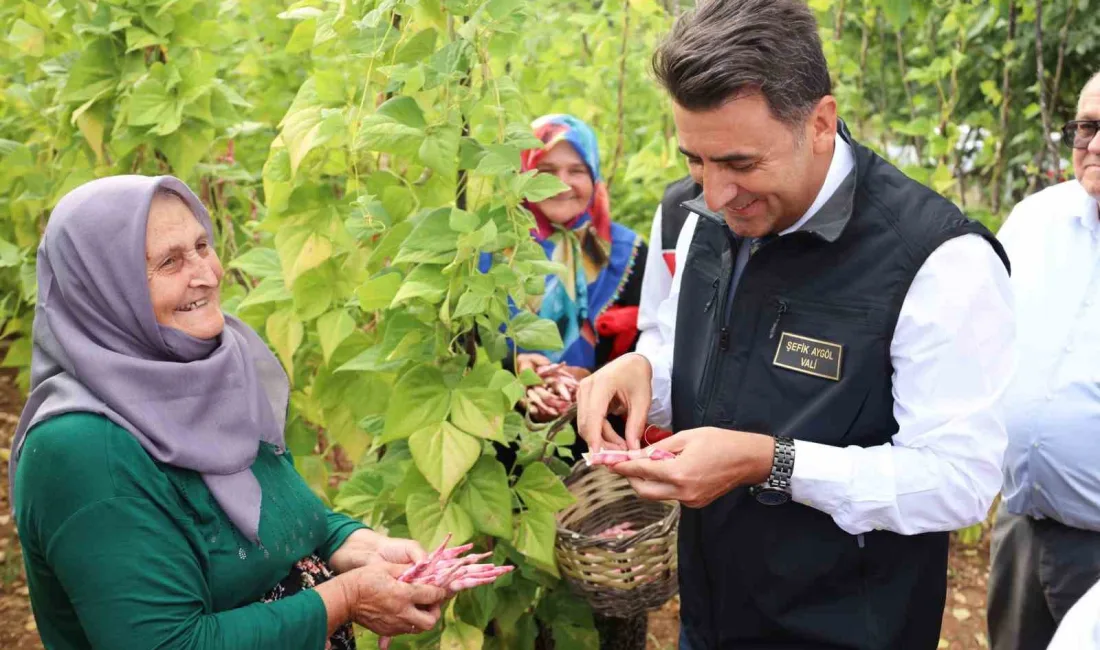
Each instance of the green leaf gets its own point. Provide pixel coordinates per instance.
(403, 110)
(95, 71)
(897, 12)
(313, 294)
(499, 160)
(385, 134)
(9, 254)
(417, 48)
(271, 289)
(300, 251)
(258, 262)
(477, 605)
(425, 282)
(432, 241)
(534, 333)
(486, 497)
(471, 304)
(306, 129)
(332, 329)
(429, 522)
(139, 39)
(27, 38)
(420, 400)
(461, 636)
(538, 486)
(535, 535)
(153, 101)
(479, 411)
(379, 291)
(542, 186)
(301, 39)
(440, 150)
(444, 454)
(285, 333)
(463, 221)
(942, 179)
(186, 148)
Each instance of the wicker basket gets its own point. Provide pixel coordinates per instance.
(620, 577)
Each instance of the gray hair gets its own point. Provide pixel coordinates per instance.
(726, 49)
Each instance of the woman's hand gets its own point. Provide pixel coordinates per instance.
(373, 597)
(530, 361)
(557, 393)
(365, 547)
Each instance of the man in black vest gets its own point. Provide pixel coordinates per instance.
(841, 339)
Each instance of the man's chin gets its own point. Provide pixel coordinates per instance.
(1091, 182)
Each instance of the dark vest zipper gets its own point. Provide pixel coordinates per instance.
(713, 298)
(713, 369)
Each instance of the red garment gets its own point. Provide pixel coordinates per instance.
(621, 323)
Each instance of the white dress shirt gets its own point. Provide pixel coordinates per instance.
(952, 356)
(1080, 628)
(657, 283)
(1052, 407)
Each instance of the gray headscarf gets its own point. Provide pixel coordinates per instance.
(202, 405)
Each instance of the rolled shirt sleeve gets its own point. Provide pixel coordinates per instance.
(952, 354)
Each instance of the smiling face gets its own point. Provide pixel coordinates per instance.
(1086, 162)
(564, 162)
(760, 173)
(183, 270)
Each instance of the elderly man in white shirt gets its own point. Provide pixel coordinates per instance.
(1046, 541)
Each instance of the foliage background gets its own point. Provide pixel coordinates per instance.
(356, 154)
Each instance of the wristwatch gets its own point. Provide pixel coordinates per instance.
(777, 489)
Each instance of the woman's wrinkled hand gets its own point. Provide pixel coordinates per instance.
(365, 547)
(378, 601)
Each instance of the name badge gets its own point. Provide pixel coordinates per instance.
(809, 356)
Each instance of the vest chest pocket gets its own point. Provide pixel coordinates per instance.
(811, 367)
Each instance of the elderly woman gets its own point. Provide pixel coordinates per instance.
(595, 301)
(154, 496)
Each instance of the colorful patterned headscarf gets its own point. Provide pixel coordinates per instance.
(552, 130)
(598, 256)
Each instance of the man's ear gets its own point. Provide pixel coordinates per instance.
(822, 125)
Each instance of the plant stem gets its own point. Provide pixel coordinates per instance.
(1006, 99)
(1044, 104)
(1063, 39)
(621, 99)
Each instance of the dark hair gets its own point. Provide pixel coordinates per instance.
(729, 48)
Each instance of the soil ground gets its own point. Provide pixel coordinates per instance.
(963, 621)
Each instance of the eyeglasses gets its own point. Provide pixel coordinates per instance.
(1079, 133)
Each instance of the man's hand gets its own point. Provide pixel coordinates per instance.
(710, 462)
(621, 387)
(365, 547)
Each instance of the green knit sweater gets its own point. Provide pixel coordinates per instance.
(124, 552)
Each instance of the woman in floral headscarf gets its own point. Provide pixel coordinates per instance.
(595, 301)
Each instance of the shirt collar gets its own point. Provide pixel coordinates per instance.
(840, 166)
(1088, 210)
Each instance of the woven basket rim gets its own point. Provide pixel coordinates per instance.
(578, 539)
